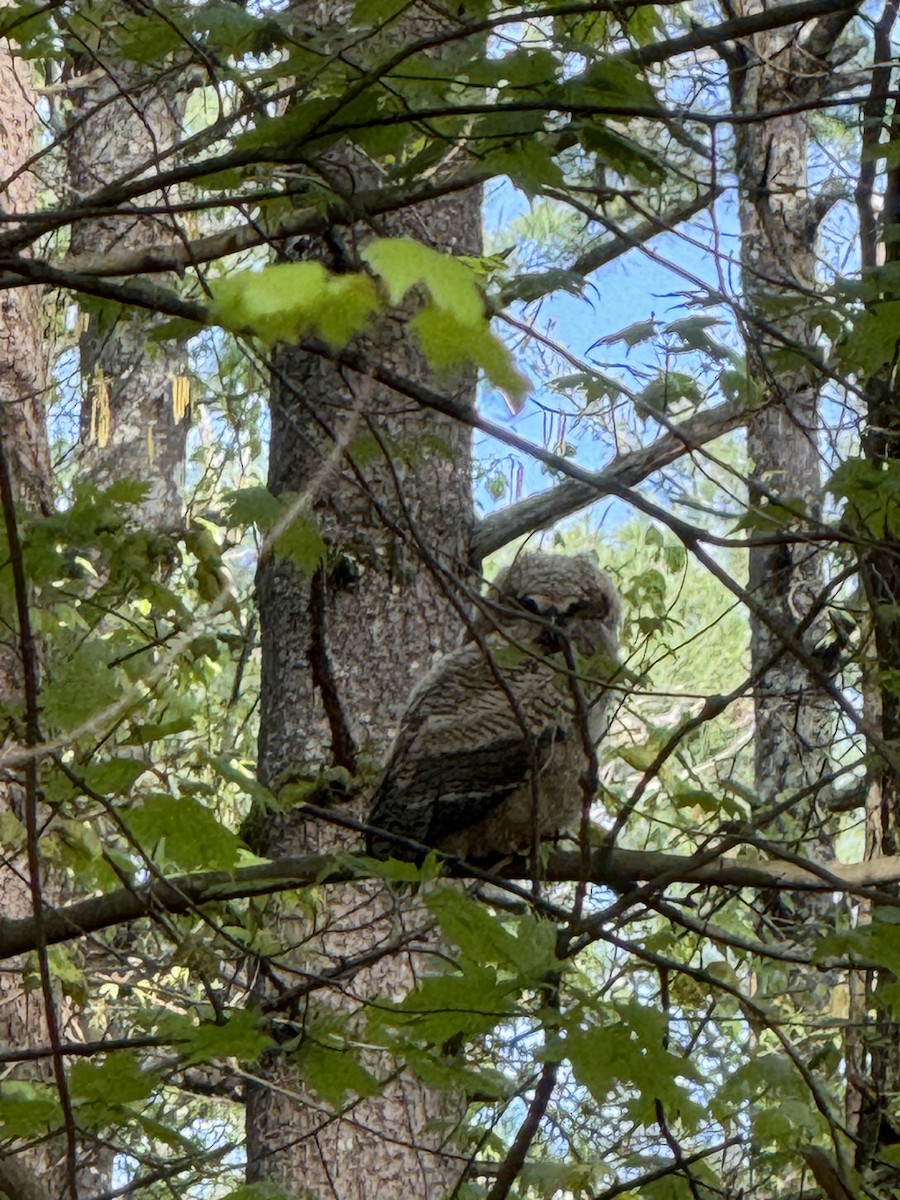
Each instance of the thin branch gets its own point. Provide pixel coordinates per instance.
(515, 1158)
(537, 512)
(614, 247)
(31, 685)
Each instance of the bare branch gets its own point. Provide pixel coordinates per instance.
(537, 512)
(620, 243)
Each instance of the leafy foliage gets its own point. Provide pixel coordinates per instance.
(695, 1036)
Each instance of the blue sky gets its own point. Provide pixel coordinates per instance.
(627, 291)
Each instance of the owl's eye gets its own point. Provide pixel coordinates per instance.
(529, 603)
(597, 607)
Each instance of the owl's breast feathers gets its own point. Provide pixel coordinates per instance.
(490, 756)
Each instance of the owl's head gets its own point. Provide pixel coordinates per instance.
(565, 592)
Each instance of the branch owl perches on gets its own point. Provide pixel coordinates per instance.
(491, 752)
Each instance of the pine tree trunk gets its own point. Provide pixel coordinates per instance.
(23, 355)
(25, 479)
(340, 651)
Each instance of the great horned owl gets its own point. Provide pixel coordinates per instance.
(490, 755)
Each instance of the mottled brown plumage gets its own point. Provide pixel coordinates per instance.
(490, 755)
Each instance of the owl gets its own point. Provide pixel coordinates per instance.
(490, 757)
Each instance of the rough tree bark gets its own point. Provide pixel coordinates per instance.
(779, 218)
(774, 73)
(795, 719)
(23, 354)
(340, 651)
(25, 479)
(135, 408)
(873, 1042)
(389, 488)
(135, 412)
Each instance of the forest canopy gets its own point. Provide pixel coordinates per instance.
(315, 320)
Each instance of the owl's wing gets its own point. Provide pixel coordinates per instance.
(462, 749)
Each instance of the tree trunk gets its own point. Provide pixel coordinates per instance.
(340, 651)
(23, 355)
(873, 1043)
(133, 421)
(135, 411)
(25, 481)
(794, 715)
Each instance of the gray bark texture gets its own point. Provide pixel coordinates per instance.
(26, 460)
(873, 1040)
(772, 73)
(23, 356)
(133, 426)
(794, 716)
(341, 650)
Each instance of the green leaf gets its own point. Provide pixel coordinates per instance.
(289, 128)
(252, 506)
(395, 870)
(376, 12)
(667, 388)
(449, 344)
(873, 341)
(632, 1051)
(469, 1002)
(75, 844)
(231, 771)
(404, 263)
(81, 686)
(28, 1110)
(105, 1087)
(771, 516)
(258, 1191)
(532, 285)
(632, 335)
(26, 22)
(620, 154)
(284, 302)
(333, 1072)
(230, 29)
(530, 165)
(13, 836)
(553, 1178)
(645, 24)
(142, 734)
(612, 80)
(149, 39)
(693, 333)
(872, 491)
(446, 1073)
(181, 831)
(298, 539)
(301, 543)
(126, 491)
(684, 796)
(164, 1134)
(114, 776)
(642, 755)
(524, 945)
(241, 1036)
